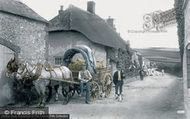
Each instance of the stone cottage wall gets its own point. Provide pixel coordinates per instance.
(28, 34)
(61, 41)
(186, 62)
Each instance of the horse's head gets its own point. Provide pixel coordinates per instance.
(22, 70)
(12, 67)
(15, 68)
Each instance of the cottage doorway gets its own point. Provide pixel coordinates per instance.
(7, 51)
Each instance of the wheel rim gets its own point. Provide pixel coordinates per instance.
(95, 90)
(107, 84)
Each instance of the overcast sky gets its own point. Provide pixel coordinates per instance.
(128, 15)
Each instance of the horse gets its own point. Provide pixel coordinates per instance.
(41, 77)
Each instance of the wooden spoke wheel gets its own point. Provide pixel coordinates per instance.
(67, 93)
(77, 89)
(107, 86)
(72, 92)
(95, 89)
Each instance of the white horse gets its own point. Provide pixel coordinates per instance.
(41, 76)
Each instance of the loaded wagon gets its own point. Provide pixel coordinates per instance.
(101, 83)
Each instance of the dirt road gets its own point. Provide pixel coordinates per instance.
(158, 97)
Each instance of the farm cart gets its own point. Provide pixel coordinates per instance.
(101, 82)
(104, 79)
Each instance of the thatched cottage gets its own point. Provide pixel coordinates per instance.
(75, 26)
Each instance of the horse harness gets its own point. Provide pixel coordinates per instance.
(28, 74)
(25, 73)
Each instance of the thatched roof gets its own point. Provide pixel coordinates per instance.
(18, 8)
(92, 26)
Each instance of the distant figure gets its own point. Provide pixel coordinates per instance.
(141, 73)
(118, 81)
(85, 77)
(163, 72)
(132, 68)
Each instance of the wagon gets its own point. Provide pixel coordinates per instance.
(101, 83)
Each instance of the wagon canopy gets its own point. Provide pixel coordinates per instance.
(86, 53)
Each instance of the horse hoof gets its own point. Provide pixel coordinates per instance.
(26, 105)
(42, 105)
(39, 105)
(65, 102)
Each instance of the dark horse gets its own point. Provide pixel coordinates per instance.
(38, 77)
(23, 90)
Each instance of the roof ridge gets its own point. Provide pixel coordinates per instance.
(19, 8)
(90, 25)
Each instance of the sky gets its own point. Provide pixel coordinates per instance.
(127, 14)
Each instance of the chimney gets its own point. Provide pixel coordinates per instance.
(110, 22)
(91, 7)
(61, 9)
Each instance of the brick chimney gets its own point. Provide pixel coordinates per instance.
(110, 22)
(91, 7)
(61, 9)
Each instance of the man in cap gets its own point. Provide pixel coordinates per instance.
(85, 77)
(118, 77)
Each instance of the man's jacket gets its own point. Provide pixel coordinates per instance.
(116, 77)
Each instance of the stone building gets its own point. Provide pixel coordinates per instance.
(22, 33)
(22, 27)
(183, 10)
(75, 26)
(183, 15)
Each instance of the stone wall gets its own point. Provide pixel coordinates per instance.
(28, 34)
(59, 42)
(186, 61)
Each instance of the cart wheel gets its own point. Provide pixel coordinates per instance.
(66, 93)
(66, 100)
(77, 89)
(72, 92)
(107, 86)
(95, 90)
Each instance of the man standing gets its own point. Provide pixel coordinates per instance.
(85, 77)
(118, 81)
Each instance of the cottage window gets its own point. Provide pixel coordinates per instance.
(58, 60)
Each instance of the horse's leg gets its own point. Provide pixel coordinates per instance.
(65, 92)
(38, 89)
(44, 83)
(27, 93)
(72, 90)
(49, 93)
(56, 92)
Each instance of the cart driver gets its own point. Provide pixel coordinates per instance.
(85, 77)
